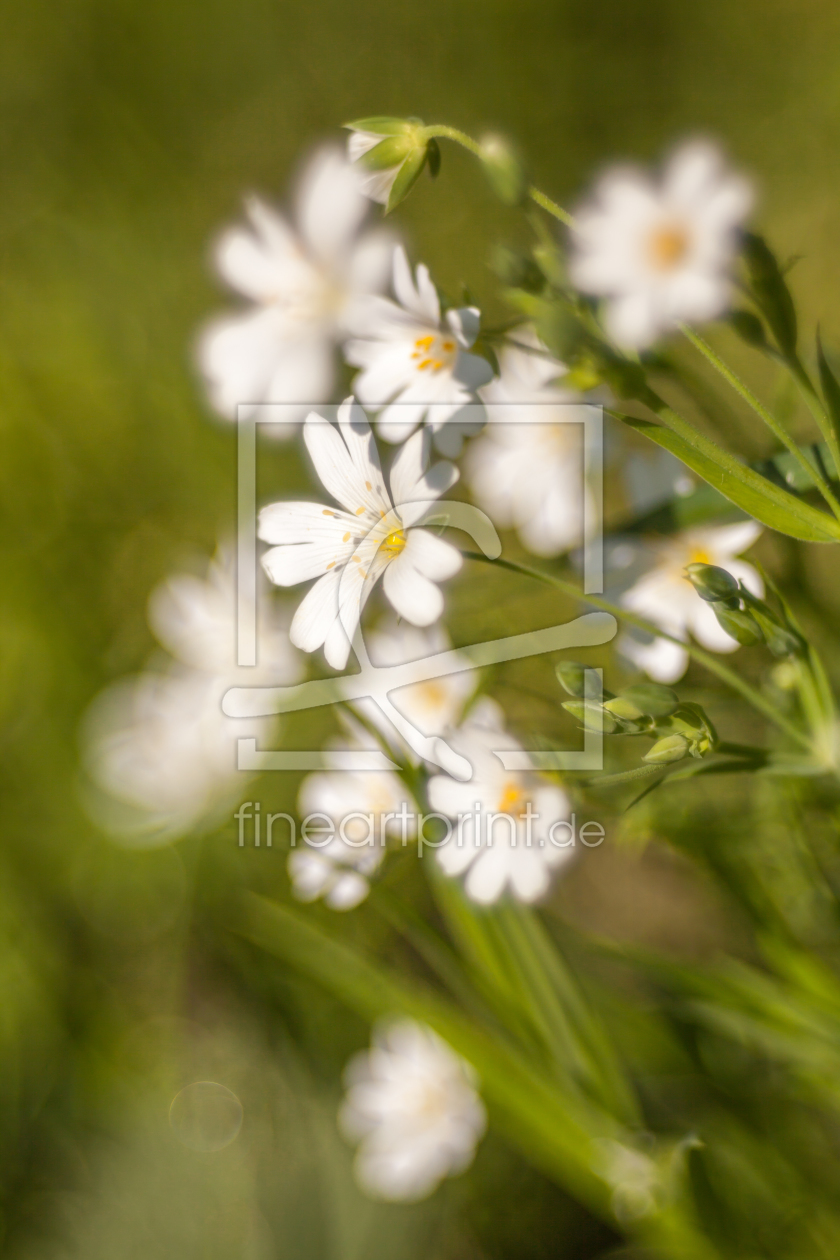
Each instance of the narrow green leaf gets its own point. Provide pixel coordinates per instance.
(744, 487)
(771, 292)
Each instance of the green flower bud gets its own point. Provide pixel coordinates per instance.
(780, 640)
(592, 716)
(389, 152)
(671, 748)
(579, 681)
(711, 583)
(652, 699)
(625, 709)
(503, 170)
(742, 626)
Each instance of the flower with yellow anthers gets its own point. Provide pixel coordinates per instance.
(413, 360)
(661, 252)
(666, 597)
(371, 535)
(504, 834)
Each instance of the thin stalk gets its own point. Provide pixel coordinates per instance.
(460, 137)
(711, 662)
(761, 411)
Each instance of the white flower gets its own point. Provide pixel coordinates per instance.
(661, 253)
(158, 747)
(432, 707)
(413, 359)
(305, 281)
(526, 469)
(412, 1105)
(339, 870)
(666, 597)
(369, 537)
(512, 851)
(374, 184)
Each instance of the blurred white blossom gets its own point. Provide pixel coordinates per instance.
(338, 867)
(512, 852)
(305, 281)
(432, 707)
(157, 746)
(413, 1106)
(369, 537)
(661, 252)
(526, 469)
(666, 597)
(413, 359)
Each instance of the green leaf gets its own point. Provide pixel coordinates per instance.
(407, 177)
(744, 487)
(770, 291)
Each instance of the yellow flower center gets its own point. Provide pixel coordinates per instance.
(434, 352)
(511, 797)
(667, 247)
(394, 542)
(699, 556)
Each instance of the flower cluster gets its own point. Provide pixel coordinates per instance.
(329, 295)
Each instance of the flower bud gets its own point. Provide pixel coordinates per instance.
(578, 680)
(671, 748)
(624, 709)
(711, 583)
(592, 716)
(503, 170)
(741, 626)
(651, 699)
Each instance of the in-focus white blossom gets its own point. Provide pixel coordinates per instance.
(374, 184)
(432, 707)
(370, 536)
(661, 251)
(157, 746)
(666, 597)
(305, 281)
(414, 360)
(526, 469)
(338, 867)
(413, 1107)
(513, 852)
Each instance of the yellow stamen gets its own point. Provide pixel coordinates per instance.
(346, 537)
(395, 542)
(510, 798)
(667, 247)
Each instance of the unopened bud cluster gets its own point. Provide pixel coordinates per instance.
(741, 614)
(680, 729)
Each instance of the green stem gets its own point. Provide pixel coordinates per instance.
(761, 411)
(711, 662)
(443, 132)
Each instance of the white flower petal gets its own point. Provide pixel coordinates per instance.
(432, 556)
(411, 594)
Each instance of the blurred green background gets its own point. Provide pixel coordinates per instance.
(130, 132)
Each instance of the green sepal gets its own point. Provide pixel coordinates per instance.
(389, 152)
(382, 125)
(711, 583)
(653, 699)
(407, 177)
(671, 748)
